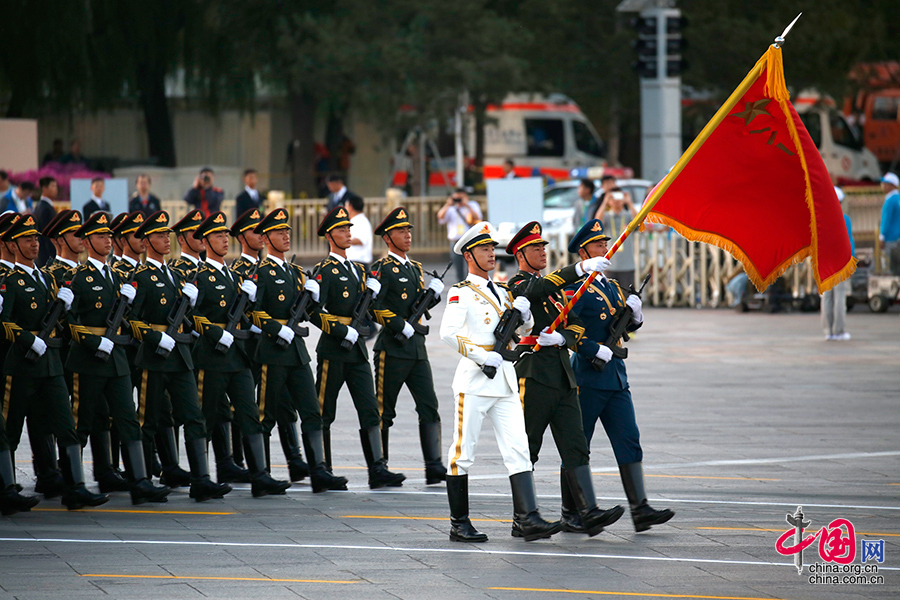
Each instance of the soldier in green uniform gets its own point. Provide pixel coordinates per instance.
(222, 364)
(285, 373)
(158, 290)
(189, 259)
(36, 387)
(546, 380)
(101, 378)
(114, 257)
(48, 479)
(116, 254)
(61, 232)
(132, 246)
(11, 501)
(405, 361)
(341, 283)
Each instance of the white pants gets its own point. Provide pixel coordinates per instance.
(834, 308)
(508, 420)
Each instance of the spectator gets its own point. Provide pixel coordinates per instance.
(458, 213)
(339, 194)
(56, 154)
(74, 157)
(5, 187)
(509, 169)
(618, 213)
(20, 198)
(607, 183)
(834, 301)
(204, 195)
(890, 215)
(98, 186)
(44, 211)
(142, 200)
(585, 199)
(249, 198)
(360, 249)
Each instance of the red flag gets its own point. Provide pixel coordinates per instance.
(757, 187)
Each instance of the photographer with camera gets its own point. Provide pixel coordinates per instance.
(616, 212)
(458, 213)
(204, 195)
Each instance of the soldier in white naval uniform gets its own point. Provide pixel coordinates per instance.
(474, 306)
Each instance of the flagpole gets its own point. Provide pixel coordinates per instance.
(660, 189)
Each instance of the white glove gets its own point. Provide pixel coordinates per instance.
(437, 285)
(312, 286)
(106, 345)
(227, 339)
(1, 302)
(66, 295)
(493, 359)
(374, 285)
(604, 353)
(352, 335)
(39, 346)
(286, 333)
(523, 305)
(598, 264)
(190, 290)
(551, 339)
(129, 292)
(408, 330)
(166, 342)
(635, 303)
(249, 288)
(254, 329)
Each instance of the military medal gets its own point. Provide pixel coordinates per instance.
(396, 270)
(162, 300)
(602, 316)
(272, 272)
(34, 306)
(89, 279)
(212, 277)
(403, 295)
(281, 297)
(98, 305)
(346, 294)
(153, 278)
(222, 303)
(487, 320)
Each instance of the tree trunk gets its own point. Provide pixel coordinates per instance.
(334, 140)
(302, 152)
(151, 84)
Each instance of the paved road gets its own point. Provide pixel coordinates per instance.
(743, 417)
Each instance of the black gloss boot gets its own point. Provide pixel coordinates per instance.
(643, 516)
(385, 443)
(430, 438)
(379, 476)
(569, 517)
(226, 469)
(107, 479)
(326, 445)
(525, 511)
(76, 495)
(142, 489)
(237, 445)
(461, 528)
(48, 478)
(581, 487)
(290, 444)
(202, 487)
(261, 483)
(11, 501)
(321, 477)
(172, 473)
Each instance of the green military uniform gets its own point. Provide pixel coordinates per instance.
(341, 283)
(37, 388)
(158, 290)
(405, 361)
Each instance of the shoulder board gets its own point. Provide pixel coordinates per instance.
(144, 267)
(267, 262)
(84, 267)
(462, 284)
(204, 266)
(417, 263)
(501, 285)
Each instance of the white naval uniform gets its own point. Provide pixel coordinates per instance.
(468, 326)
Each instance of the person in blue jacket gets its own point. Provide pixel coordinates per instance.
(604, 394)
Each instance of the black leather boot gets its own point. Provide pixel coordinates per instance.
(581, 486)
(385, 443)
(202, 487)
(76, 495)
(237, 444)
(142, 489)
(114, 445)
(167, 446)
(326, 444)
(48, 478)
(11, 501)
(430, 438)
(320, 476)
(107, 479)
(461, 528)
(379, 476)
(261, 483)
(643, 516)
(525, 512)
(226, 469)
(569, 517)
(290, 444)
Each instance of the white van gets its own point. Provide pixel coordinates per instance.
(547, 133)
(839, 142)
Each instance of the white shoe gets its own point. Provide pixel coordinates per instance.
(843, 337)
(829, 337)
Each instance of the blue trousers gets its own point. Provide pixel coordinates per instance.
(615, 410)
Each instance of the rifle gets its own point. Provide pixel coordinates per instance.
(361, 310)
(176, 319)
(114, 320)
(425, 301)
(298, 311)
(505, 332)
(48, 325)
(619, 329)
(236, 312)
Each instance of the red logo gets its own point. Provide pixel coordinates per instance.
(837, 542)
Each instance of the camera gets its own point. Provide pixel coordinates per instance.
(456, 199)
(206, 179)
